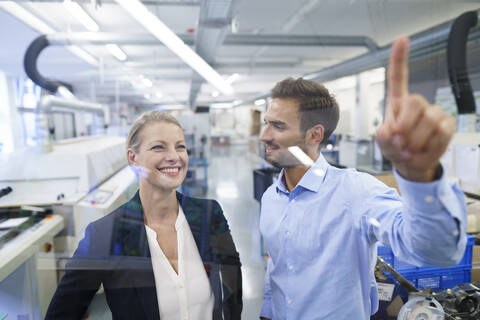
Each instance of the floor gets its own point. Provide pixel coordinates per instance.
(230, 182)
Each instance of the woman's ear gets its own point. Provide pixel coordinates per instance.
(131, 157)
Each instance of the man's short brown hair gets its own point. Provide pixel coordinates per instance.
(315, 104)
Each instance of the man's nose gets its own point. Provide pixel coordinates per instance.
(265, 135)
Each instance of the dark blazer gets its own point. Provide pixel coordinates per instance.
(115, 253)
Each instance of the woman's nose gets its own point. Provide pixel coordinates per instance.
(172, 155)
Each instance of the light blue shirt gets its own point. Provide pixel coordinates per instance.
(322, 238)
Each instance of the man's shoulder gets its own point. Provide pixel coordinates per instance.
(270, 192)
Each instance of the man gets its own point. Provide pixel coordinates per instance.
(321, 224)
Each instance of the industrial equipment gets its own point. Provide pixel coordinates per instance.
(70, 182)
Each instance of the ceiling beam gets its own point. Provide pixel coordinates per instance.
(195, 3)
(101, 38)
(210, 35)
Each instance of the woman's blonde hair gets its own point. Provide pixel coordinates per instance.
(133, 139)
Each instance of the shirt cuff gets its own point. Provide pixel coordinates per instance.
(431, 197)
(266, 311)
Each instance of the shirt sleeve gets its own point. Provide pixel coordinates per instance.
(266, 311)
(426, 226)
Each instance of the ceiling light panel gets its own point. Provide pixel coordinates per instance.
(116, 51)
(40, 26)
(174, 43)
(81, 15)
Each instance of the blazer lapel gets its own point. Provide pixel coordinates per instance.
(132, 243)
(197, 215)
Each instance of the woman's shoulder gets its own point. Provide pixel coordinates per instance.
(192, 203)
(198, 208)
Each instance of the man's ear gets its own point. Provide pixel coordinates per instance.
(315, 134)
(131, 157)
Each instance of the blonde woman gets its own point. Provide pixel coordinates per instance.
(161, 255)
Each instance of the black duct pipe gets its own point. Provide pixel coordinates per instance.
(457, 61)
(30, 65)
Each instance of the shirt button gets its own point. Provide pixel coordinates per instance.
(455, 233)
(428, 199)
(289, 301)
(288, 233)
(290, 267)
(293, 200)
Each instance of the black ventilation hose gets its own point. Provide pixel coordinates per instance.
(457, 61)
(30, 65)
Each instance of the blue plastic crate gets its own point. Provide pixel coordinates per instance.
(433, 277)
(399, 265)
(438, 279)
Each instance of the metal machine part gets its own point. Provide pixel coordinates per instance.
(28, 217)
(459, 303)
(421, 308)
(383, 266)
(44, 123)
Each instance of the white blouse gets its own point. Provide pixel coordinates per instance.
(186, 295)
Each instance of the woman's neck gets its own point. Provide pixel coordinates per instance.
(159, 206)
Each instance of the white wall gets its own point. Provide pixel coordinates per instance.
(349, 101)
(10, 129)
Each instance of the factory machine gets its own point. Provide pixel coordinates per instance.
(77, 182)
(49, 193)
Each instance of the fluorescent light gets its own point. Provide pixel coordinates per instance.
(232, 78)
(82, 54)
(77, 11)
(215, 94)
(41, 27)
(259, 102)
(237, 102)
(147, 96)
(159, 95)
(116, 51)
(147, 82)
(221, 105)
(171, 107)
(151, 22)
(26, 17)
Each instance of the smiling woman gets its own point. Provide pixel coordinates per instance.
(161, 254)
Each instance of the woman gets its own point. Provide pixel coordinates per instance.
(161, 254)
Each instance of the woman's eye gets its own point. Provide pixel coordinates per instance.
(157, 147)
(181, 146)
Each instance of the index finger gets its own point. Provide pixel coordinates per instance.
(398, 69)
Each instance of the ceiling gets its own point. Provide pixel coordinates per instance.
(285, 25)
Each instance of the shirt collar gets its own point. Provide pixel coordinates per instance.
(180, 219)
(311, 180)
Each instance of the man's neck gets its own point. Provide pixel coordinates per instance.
(295, 174)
